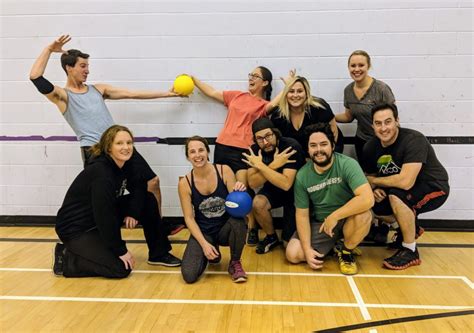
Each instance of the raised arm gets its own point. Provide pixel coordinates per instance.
(54, 93)
(208, 90)
(276, 100)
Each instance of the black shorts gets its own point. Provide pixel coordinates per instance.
(135, 167)
(231, 156)
(421, 198)
(279, 198)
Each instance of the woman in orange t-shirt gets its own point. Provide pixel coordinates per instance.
(244, 108)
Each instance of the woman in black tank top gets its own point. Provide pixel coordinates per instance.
(202, 193)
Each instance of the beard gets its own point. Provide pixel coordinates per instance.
(324, 162)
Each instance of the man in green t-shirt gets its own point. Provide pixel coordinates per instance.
(333, 188)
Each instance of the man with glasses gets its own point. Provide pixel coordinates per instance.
(273, 161)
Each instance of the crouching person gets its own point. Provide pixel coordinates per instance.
(89, 220)
(334, 189)
(202, 194)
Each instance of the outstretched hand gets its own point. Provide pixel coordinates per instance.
(280, 159)
(253, 160)
(57, 45)
(291, 75)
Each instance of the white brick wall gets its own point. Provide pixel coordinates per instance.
(422, 49)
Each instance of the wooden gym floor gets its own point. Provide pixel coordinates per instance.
(436, 296)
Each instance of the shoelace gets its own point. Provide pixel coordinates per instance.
(238, 267)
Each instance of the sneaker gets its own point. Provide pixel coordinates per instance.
(216, 260)
(347, 263)
(252, 237)
(237, 272)
(58, 259)
(397, 238)
(167, 260)
(404, 258)
(267, 244)
(175, 228)
(381, 234)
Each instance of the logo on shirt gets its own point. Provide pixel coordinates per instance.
(320, 186)
(212, 207)
(122, 190)
(387, 166)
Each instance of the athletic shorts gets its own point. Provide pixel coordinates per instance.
(231, 156)
(279, 198)
(135, 167)
(421, 198)
(322, 242)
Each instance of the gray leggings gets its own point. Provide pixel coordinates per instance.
(232, 234)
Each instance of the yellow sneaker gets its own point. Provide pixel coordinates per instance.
(347, 263)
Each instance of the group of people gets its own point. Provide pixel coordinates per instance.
(286, 152)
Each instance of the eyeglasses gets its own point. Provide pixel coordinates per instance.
(267, 138)
(253, 76)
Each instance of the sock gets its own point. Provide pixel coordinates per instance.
(345, 249)
(411, 246)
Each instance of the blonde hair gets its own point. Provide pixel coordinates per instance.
(107, 139)
(361, 53)
(310, 100)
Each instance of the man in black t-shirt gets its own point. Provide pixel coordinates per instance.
(407, 179)
(273, 161)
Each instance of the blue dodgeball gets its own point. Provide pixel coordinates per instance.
(238, 204)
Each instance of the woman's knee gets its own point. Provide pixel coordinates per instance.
(189, 275)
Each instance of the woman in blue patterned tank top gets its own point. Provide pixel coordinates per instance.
(202, 194)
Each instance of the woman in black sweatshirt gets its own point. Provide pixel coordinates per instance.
(89, 220)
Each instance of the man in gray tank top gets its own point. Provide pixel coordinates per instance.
(83, 105)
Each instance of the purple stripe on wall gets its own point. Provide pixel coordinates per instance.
(64, 138)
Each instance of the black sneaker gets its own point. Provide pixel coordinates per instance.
(267, 244)
(58, 259)
(404, 258)
(252, 237)
(167, 260)
(397, 238)
(381, 234)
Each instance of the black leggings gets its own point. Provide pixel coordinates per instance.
(87, 255)
(232, 234)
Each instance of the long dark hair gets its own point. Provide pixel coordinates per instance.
(267, 76)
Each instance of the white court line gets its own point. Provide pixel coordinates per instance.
(228, 302)
(358, 297)
(373, 330)
(387, 276)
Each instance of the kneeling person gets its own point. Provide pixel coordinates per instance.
(202, 194)
(89, 220)
(273, 161)
(334, 189)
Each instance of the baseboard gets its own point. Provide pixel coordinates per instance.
(49, 221)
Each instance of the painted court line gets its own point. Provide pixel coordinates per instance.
(358, 297)
(386, 276)
(228, 302)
